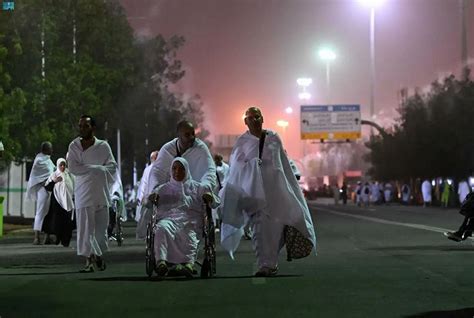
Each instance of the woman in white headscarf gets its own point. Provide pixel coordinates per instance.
(59, 220)
(180, 213)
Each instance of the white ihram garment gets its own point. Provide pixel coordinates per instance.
(463, 190)
(267, 193)
(63, 190)
(144, 212)
(426, 191)
(42, 168)
(94, 169)
(180, 215)
(200, 162)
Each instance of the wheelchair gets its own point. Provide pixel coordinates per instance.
(115, 229)
(208, 265)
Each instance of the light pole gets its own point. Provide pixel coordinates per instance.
(372, 4)
(463, 7)
(327, 55)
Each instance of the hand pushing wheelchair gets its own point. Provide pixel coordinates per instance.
(208, 265)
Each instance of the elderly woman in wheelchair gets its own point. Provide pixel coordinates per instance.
(177, 224)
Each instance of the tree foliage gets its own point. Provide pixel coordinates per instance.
(433, 137)
(125, 82)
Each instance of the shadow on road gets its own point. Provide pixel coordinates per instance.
(460, 313)
(155, 278)
(39, 274)
(464, 248)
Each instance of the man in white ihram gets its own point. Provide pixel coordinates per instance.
(265, 191)
(194, 150)
(43, 167)
(92, 162)
(143, 214)
(426, 190)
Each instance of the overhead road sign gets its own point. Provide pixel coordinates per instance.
(330, 122)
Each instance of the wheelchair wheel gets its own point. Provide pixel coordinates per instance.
(118, 230)
(206, 269)
(150, 253)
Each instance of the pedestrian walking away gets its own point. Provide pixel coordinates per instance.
(42, 168)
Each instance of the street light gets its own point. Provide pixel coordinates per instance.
(304, 82)
(304, 96)
(372, 4)
(282, 123)
(328, 56)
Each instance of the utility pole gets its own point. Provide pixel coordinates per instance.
(463, 4)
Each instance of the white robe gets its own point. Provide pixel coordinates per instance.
(144, 212)
(94, 169)
(388, 192)
(266, 192)
(365, 193)
(406, 194)
(116, 193)
(374, 193)
(463, 190)
(180, 216)
(63, 190)
(200, 162)
(43, 167)
(426, 191)
(222, 171)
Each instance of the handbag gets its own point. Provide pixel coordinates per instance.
(297, 245)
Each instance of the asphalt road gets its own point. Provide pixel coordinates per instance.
(384, 261)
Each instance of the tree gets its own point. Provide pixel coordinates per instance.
(433, 136)
(12, 99)
(92, 65)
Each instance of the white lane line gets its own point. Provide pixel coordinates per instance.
(377, 220)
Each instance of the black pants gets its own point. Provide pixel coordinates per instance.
(467, 226)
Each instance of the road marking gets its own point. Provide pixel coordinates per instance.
(377, 220)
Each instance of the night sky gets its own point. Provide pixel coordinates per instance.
(250, 52)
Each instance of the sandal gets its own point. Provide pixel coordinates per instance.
(89, 268)
(188, 270)
(161, 269)
(99, 262)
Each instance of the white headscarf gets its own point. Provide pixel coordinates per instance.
(63, 190)
(179, 194)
